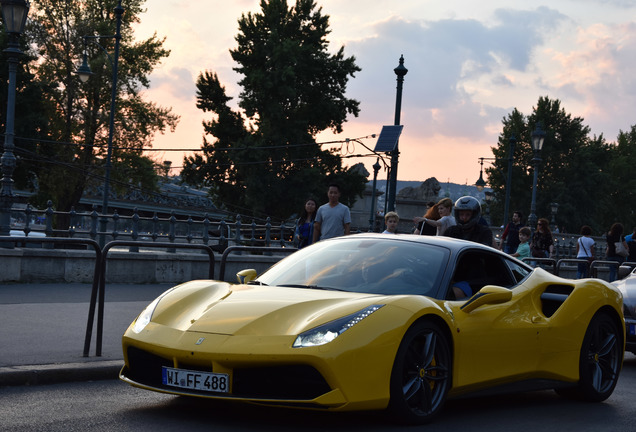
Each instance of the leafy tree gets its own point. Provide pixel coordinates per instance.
(573, 170)
(264, 159)
(69, 153)
(618, 203)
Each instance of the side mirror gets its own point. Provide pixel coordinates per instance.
(489, 294)
(245, 276)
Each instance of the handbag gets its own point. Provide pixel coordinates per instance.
(538, 253)
(621, 249)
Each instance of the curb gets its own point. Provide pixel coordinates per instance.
(59, 373)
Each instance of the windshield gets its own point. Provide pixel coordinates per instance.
(373, 265)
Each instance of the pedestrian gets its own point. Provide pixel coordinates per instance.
(391, 220)
(334, 218)
(304, 233)
(614, 251)
(510, 237)
(523, 250)
(542, 244)
(422, 228)
(631, 246)
(584, 251)
(467, 213)
(445, 210)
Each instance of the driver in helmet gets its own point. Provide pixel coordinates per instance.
(467, 213)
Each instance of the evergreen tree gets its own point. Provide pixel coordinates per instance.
(265, 159)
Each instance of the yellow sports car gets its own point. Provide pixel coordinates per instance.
(376, 321)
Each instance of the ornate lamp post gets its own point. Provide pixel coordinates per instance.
(376, 168)
(400, 71)
(14, 15)
(554, 208)
(512, 141)
(488, 196)
(481, 183)
(84, 72)
(538, 137)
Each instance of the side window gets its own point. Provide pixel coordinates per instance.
(518, 272)
(478, 269)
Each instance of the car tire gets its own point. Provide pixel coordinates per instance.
(421, 375)
(600, 360)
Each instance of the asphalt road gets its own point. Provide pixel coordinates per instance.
(114, 406)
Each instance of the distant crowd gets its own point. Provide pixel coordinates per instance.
(463, 220)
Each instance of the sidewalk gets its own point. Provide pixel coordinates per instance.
(43, 329)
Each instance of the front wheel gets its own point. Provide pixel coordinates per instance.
(601, 359)
(421, 375)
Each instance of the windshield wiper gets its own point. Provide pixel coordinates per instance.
(255, 282)
(312, 287)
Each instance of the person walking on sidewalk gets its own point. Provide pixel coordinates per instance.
(334, 218)
(510, 237)
(585, 251)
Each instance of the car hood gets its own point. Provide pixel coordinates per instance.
(222, 308)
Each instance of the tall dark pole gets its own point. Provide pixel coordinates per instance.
(14, 15)
(538, 136)
(84, 72)
(376, 168)
(511, 153)
(400, 71)
(119, 10)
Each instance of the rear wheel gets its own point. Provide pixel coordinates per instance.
(601, 359)
(421, 375)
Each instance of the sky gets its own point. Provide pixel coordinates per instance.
(470, 63)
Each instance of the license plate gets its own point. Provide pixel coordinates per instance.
(196, 380)
(632, 329)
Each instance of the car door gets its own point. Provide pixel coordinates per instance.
(494, 341)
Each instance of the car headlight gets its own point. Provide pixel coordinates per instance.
(144, 317)
(327, 332)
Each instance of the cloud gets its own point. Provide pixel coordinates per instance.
(178, 82)
(445, 58)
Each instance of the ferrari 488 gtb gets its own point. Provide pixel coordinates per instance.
(386, 322)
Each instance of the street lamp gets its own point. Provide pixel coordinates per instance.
(538, 137)
(481, 183)
(512, 142)
(488, 196)
(84, 72)
(400, 71)
(554, 208)
(376, 168)
(14, 15)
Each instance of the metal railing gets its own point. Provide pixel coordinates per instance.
(138, 227)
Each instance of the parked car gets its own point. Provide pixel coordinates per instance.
(627, 285)
(380, 322)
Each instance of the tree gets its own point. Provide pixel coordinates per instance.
(573, 171)
(265, 159)
(618, 203)
(69, 151)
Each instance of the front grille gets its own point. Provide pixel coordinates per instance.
(279, 382)
(145, 368)
(291, 382)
